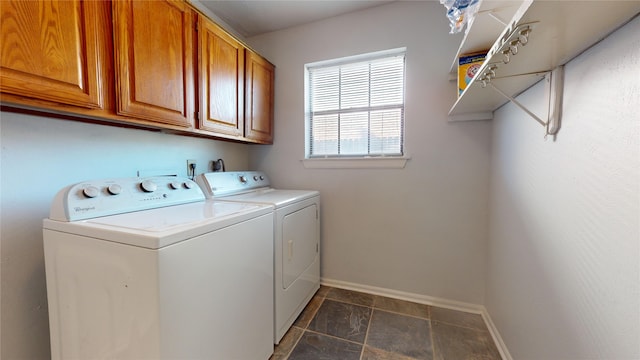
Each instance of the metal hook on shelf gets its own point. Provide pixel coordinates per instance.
(523, 36)
(485, 80)
(513, 47)
(488, 74)
(506, 54)
(491, 70)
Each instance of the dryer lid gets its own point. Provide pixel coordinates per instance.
(276, 197)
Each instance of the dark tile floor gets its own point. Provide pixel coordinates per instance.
(340, 324)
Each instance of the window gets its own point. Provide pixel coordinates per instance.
(355, 106)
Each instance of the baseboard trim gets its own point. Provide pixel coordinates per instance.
(502, 347)
(427, 300)
(402, 295)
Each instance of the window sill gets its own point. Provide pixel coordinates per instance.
(356, 163)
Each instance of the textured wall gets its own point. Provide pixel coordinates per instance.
(421, 229)
(564, 249)
(39, 157)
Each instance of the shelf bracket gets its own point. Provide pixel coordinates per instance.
(554, 80)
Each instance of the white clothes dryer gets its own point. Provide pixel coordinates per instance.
(149, 269)
(296, 237)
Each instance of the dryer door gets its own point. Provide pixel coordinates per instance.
(299, 242)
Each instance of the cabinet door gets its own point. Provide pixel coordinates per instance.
(258, 98)
(50, 51)
(221, 80)
(154, 61)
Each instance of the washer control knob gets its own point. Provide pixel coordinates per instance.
(255, 177)
(148, 186)
(114, 189)
(91, 191)
(243, 179)
(261, 177)
(174, 185)
(188, 185)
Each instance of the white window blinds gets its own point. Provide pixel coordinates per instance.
(356, 109)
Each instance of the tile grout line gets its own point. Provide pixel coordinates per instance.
(324, 297)
(366, 336)
(386, 310)
(331, 336)
(286, 357)
(461, 326)
(433, 344)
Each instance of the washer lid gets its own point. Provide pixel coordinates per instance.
(276, 197)
(160, 227)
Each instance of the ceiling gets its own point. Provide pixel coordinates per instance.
(255, 17)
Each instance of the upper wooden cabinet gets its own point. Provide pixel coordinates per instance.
(50, 52)
(221, 80)
(236, 86)
(259, 82)
(134, 62)
(154, 61)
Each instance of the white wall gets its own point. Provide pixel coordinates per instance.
(39, 157)
(564, 250)
(421, 229)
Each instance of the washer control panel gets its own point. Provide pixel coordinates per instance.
(232, 182)
(96, 198)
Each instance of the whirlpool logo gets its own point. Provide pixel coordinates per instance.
(84, 209)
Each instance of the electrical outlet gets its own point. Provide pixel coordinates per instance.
(191, 163)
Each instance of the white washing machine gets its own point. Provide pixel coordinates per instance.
(296, 237)
(149, 269)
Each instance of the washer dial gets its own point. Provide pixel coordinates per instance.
(188, 185)
(91, 191)
(114, 189)
(148, 186)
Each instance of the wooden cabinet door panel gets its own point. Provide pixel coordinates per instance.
(259, 98)
(221, 75)
(50, 51)
(154, 61)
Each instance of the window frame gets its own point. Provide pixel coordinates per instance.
(376, 160)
